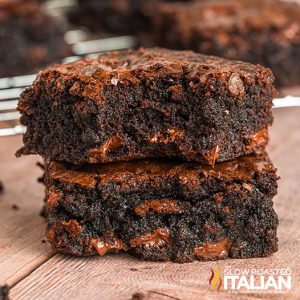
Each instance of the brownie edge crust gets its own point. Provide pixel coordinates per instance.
(147, 104)
(163, 210)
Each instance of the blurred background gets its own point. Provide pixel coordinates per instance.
(36, 33)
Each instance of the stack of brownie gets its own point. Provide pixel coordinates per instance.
(156, 152)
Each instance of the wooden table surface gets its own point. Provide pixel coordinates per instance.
(34, 271)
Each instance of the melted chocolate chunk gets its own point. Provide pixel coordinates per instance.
(102, 246)
(167, 206)
(209, 251)
(258, 139)
(159, 237)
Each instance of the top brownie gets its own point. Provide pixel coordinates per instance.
(147, 103)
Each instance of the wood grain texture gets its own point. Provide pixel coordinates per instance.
(21, 229)
(118, 276)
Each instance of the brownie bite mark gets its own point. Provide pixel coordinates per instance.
(266, 32)
(160, 210)
(147, 104)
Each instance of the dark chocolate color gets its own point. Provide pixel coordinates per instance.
(205, 213)
(147, 103)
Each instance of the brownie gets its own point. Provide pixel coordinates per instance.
(115, 16)
(29, 38)
(162, 210)
(266, 32)
(147, 104)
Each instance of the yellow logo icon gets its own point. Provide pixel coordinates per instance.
(215, 280)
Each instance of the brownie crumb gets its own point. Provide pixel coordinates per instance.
(15, 207)
(43, 211)
(133, 269)
(1, 187)
(4, 290)
(138, 296)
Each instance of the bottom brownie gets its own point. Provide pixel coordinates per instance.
(164, 211)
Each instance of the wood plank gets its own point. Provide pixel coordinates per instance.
(118, 276)
(21, 230)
